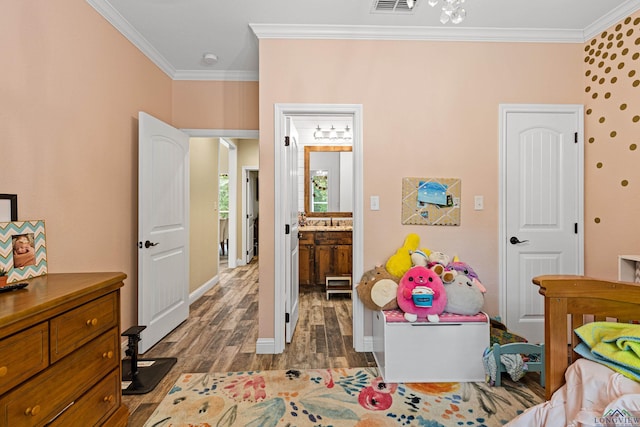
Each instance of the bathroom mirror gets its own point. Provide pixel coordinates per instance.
(328, 177)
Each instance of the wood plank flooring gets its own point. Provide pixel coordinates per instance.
(221, 332)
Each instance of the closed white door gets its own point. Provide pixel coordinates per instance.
(163, 229)
(250, 218)
(292, 277)
(543, 207)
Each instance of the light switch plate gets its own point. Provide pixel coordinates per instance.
(478, 203)
(375, 203)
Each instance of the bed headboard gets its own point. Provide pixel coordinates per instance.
(570, 302)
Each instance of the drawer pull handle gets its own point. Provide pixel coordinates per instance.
(92, 322)
(107, 355)
(32, 411)
(3, 371)
(109, 399)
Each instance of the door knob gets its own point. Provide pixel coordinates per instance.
(148, 244)
(514, 240)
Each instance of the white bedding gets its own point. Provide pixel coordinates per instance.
(591, 391)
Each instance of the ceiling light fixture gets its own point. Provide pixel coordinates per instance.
(452, 10)
(333, 133)
(209, 58)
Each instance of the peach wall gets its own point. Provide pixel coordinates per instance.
(611, 78)
(70, 90)
(429, 109)
(215, 105)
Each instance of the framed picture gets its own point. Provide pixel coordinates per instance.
(23, 250)
(8, 207)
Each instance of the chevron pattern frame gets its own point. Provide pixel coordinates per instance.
(35, 231)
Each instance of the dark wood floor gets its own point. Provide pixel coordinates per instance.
(221, 332)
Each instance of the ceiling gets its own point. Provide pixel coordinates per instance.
(175, 34)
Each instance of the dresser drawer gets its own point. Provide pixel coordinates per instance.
(72, 329)
(39, 400)
(333, 238)
(306, 238)
(95, 406)
(23, 355)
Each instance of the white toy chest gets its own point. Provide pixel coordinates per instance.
(448, 351)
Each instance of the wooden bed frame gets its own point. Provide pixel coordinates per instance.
(570, 302)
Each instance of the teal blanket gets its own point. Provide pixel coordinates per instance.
(616, 345)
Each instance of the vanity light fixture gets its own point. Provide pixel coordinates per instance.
(452, 10)
(333, 133)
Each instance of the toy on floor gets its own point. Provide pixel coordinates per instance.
(516, 359)
(425, 284)
(378, 289)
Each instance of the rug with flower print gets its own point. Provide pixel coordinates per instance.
(334, 397)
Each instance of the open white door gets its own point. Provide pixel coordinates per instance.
(292, 278)
(163, 229)
(543, 207)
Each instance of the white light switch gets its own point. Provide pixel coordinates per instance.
(478, 203)
(375, 203)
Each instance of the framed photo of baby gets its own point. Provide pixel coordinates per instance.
(23, 250)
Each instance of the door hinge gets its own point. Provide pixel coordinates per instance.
(575, 228)
(287, 229)
(575, 137)
(286, 141)
(286, 318)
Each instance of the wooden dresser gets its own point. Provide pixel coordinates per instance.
(60, 361)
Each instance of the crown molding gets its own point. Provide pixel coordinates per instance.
(619, 13)
(236, 76)
(126, 29)
(367, 32)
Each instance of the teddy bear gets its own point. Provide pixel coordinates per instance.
(465, 295)
(400, 262)
(421, 294)
(378, 289)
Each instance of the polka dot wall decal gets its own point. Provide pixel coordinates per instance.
(586, 48)
(621, 66)
(588, 73)
(625, 51)
(601, 119)
(591, 61)
(620, 44)
(629, 32)
(588, 111)
(592, 140)
(618, 27)
(601, 45)
(626, 21)
(636, 55)
(606, 70)
(614, 79)
(636, 21)
(636, 119)
(637, 42)
(603, 35)
(601, 80)
(619, 36)
(599, 165)
(624, 183)
(595, 95)
(596, 220)
(614, 56)
(593, 41)
(633, 147)
(604, 55)
(598, 53)
(613, 134)
(610, 37)
(623, 107)
(636, 83)
(592, 51)
(607, 95)
(632, 73)
(594, 78)
(600, 64)
(587, 89)
(609, 45)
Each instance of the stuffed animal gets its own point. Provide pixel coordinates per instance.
(464, 295)
(420, 257)
(439, 257)
(378, 289)
(400, 262)
(421, 294)
(462, 268)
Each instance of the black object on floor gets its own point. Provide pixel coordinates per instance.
(142, 375)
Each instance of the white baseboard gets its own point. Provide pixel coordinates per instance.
(265, 346)
(195, 295)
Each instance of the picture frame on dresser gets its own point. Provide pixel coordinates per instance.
(23, 250)
(8, 207)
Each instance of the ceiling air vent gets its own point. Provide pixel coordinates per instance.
(392, 6)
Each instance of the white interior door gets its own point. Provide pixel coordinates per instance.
(163, 229)
(544, 204)
(292, 278)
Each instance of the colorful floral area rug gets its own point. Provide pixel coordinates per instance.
(334, 397)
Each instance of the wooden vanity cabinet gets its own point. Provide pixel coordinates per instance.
(324, 253)
(60, 344)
